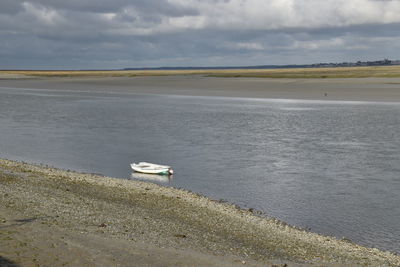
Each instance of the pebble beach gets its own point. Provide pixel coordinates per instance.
(52, 217)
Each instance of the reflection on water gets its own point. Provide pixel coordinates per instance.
(152, 177)
(329, 166)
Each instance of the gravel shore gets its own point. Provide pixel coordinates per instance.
(50, 217)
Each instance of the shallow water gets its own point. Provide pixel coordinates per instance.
(332, 167)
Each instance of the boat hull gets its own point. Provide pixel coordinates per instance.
(150, 168)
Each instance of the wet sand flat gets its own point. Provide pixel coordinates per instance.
(351, 89)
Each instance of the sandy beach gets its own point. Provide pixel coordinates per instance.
(50, 217)
(342, 89)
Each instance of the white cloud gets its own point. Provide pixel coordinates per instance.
(276, 14)
(42, 14)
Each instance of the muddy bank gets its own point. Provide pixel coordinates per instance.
(53, 217)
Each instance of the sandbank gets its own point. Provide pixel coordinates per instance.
(338, 89)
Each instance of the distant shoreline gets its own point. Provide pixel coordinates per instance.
(385, 71)
(82, 213)
(376, 63)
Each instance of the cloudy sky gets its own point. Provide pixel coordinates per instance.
(78, 34)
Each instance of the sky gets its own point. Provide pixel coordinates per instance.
(105, 34)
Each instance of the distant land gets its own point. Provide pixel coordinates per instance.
(384, 62)
(378, 69)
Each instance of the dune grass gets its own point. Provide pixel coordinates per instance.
(340, 72)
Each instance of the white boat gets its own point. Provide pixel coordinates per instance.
(150, 168)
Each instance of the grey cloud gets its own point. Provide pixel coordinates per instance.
(96, 6)
(123, 33)
(10, 7)
(116, 6)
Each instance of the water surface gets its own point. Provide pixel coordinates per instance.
(332, 167)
